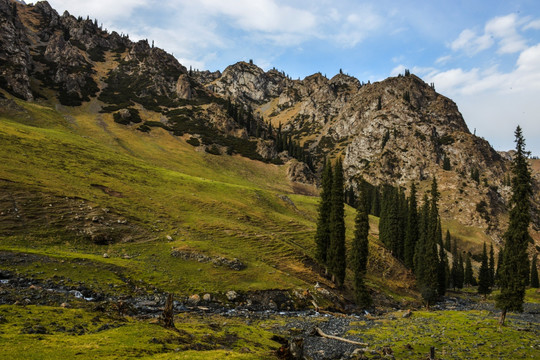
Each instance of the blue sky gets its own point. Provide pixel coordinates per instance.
(485, 55)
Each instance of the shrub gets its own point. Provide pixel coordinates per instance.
(213, 149)
(193, 141)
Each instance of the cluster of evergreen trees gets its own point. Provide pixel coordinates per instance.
(259, 128)
(285, 142)
(330, 235)
(414, 236)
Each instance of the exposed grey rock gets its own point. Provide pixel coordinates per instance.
(299, 172)
(194, 299)
(183, 87)
(233, 264)
(266, 149)
(231, 295)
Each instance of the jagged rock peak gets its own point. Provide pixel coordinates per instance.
(249, 83)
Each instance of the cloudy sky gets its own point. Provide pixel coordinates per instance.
(485, 55)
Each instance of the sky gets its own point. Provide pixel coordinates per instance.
(484, 55)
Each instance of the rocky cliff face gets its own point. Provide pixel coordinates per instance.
(15, 60)
(396, 131)
(40, 49)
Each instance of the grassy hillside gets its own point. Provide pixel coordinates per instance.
(77, 185)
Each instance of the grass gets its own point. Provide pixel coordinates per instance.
(454, 334)
(41, 332)
(217, 205)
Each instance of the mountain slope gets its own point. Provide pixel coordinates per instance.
(397, 131)
(126, 127)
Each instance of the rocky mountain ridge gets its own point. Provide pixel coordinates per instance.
(398, 131)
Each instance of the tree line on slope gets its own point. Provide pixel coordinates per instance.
(414, 236)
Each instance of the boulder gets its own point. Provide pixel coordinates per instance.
(231, 295)
(300, 172)
(194, 299)
(183, 87)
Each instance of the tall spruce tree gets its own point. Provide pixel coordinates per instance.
(461, 273)
(419, 250)
(454, 275)
(376, 202)
(336, 252)
(402, 221)
(514, 272)
(442, 275)
(499, 263)
(469, 276)
(484, 277)
(411, 233)
(427, 260)
(448, 241)
(389, 222)
(322, 236)
(491, 266)
(534, 273)
(360, 254)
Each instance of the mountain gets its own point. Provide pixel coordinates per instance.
(127, 177)
(396, 131)
(147, 113)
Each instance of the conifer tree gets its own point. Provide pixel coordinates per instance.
(322, 236)
(446, 163)
(484, 280)
(469, 276)
(448, 241)
(411, 233)
(534, 273)
(514, 272)
(491, 266)
(360, 255)
(442, 276)
(499, 263)
(454, 275)
(419, 249)
(427, 259)
(376, 202)
(461, 273)
(336, 252)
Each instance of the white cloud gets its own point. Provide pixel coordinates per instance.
(400, 69)
(489, 97)
(502, 30)
(264, 15)
(443, 59)
(357, 26)
(471, 43)
(524, 77)
(535, 25)
(103, 10)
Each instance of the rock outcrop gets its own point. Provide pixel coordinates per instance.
(15, 60)
(396, 131)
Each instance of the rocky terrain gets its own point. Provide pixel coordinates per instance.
(397, 131)
(127, 177)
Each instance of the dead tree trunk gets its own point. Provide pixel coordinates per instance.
(502, 318)
(322, 334)
(432, 353)
(167, 317)
(296, 347)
